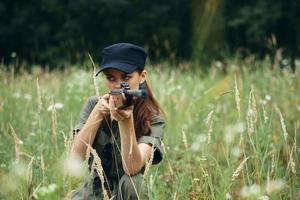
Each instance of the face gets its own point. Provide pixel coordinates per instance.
(115, 77)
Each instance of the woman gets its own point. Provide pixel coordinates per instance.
(124, 138)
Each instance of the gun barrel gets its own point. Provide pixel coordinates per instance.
(117, 91)
(137, 93)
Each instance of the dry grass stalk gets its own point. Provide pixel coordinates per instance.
(209, 123)
(94, 77)
(184, 139)
(273, 164)
(254, 109)
(17, 142)
(99, 169)
(295, 136)
(149, 163)
(165, 151)
(237, 97)
(43, 167)
(291, 163)
(29, 172)
(67, 143)
(241, 143)
(39, 96)
(239, 169)
(265, 114)
(285, 133)
(250, 115)
(209, 118)
(54, 121)
(209, 132)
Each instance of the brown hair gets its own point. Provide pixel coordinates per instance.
(143, 111)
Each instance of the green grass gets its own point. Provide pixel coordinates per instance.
(191, 168)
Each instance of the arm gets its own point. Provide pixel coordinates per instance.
(134, 155)
(88, 132)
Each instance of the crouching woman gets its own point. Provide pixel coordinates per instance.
(124, 137)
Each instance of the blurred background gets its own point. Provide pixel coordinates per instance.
(226, 73)
(54, 33)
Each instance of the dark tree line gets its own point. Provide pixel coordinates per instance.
(57, 31)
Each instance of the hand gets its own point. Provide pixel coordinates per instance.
(119, 114)
(103, 106)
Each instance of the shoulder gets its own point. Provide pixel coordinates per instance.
(157, 119)
(93, 100)
(90, 103)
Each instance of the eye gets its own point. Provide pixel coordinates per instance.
(110, 78)
(126, 77)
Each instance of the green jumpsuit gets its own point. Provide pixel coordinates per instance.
(107, 144)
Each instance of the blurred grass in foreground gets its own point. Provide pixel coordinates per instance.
(230, 136)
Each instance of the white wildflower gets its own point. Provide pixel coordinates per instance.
(52, 187)
(203, 158)
(236, 152)
(201, 138)
(45, 190)
(179, 87)
(17, 95)
(229, 137)
(248, 191)
(275, 185)
(232, 130)
(28, 97)
(73, 166)
(263, 102)
(55, 106)
(13, 54)
(195, 146)
(228, 196)
(265, 197)
(240, 127)
(268, 97)
(196, 179)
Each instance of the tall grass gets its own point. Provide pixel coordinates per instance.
(230, 136)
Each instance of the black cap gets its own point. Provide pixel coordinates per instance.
(124, 57)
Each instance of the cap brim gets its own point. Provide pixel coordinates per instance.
(123, 67)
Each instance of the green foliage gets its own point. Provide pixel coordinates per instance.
(193, 166)
(251, 25)
(54, 33)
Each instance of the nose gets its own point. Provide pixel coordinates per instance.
(117, 85)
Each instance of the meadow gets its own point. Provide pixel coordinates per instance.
(231, 135)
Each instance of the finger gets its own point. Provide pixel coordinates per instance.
(111, 103)
(105, 104)
(124, 113)
(128, 108)
(106, 96)
(114, 115)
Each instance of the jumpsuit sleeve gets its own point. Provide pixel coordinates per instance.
(85, 113)
(155, 138)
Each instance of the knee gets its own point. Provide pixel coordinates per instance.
(130, 186)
